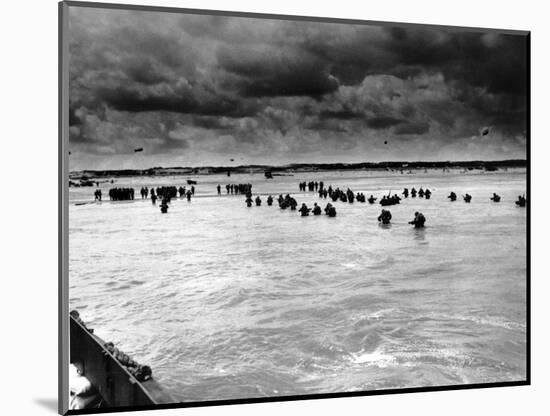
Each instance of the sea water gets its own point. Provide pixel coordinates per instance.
(225, 301)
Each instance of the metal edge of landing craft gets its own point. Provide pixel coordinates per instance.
(113, 382)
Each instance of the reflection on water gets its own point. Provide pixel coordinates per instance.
(419, 235)
(225, 301)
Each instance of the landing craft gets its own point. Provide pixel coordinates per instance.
(232, 160)
(190, 182)
(385, 142)
(485, 131)
(268, 175)
(139, 149)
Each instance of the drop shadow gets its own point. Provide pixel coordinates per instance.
(49, 404)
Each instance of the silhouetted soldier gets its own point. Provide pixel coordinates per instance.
(330, 210)
(384, 217)
(304, 210)
(164, 206)
(293, 204)
(452, 196)
(521, 201)
(418, 221)
(495, 198)
(467, 198)
(316, 209)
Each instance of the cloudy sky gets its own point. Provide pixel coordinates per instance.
(200, 90)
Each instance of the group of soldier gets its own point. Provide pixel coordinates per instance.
(166, 193)
(467, 197)
(289, 202)
(286, 202)
(121, 194)
(337, 194)
(390, 200)
(350, 196)
(169, 192)
(241, 188)
(144, 192)
(521, 202)
(316, 210)
(385, 216)
(421, 193)
(311, 186)
(418, 221)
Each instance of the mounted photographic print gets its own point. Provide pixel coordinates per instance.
(264, 208)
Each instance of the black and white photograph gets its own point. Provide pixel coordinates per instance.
(265, 207)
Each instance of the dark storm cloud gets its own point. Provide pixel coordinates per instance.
(273, 71)
(182, 101)
(143, 70)
(345, 114)
(419, 127)
(383, 122)
(203, 86)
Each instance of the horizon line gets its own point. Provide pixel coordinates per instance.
(313, 164)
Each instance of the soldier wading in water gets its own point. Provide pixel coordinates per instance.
(384, 217)
(419, 220)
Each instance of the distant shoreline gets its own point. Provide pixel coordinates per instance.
(302, 167)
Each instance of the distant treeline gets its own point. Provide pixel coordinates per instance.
(160, 171)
